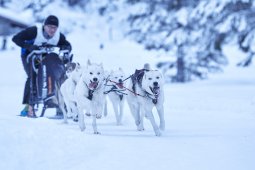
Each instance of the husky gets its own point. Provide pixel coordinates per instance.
(115, 88)
(73, 72)
(89, 94)
(147, 92)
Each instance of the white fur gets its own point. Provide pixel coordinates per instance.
(67, 91)
(116, 91)
(92, 74)
(141, 106)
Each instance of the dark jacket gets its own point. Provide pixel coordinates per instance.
(27, 37)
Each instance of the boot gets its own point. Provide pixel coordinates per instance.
(24, 112)
(30, 112)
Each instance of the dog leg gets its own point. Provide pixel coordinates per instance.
(116, 112)
(81, 120)
(153, 123)
(74, 111)
(94, 124)
(140, 127)
(105, 108)
(68, 108)
(65, 115)
(63, 109)
(134, 109)
(121, 107)
(160, 110)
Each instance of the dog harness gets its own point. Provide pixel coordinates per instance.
(90, 92)
(154, 97)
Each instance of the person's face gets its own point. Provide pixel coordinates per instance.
(50, 29)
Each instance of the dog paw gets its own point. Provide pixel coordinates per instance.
(140, 128)
(97, 133)
(162, 126)
(137, 123)
(157, 132)
(82, 127)
(75, 118)
(87, 114)
(118, 123)
(98, 116)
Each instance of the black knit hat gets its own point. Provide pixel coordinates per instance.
(51, 20)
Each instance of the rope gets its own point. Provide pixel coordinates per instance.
(128, 89)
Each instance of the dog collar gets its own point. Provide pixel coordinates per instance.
(90, 92)
(153, 97)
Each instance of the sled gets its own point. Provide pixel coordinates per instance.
(47, 73)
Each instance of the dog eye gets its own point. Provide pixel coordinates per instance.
(149, 78)
(90, 73)
(98, 73)
(157, 77)
(115, 77)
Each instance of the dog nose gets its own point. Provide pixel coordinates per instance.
(155, 83)
(120, 81)
(95, 79)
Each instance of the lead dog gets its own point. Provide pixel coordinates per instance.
(73, 72)
(89, 94)
(115, 88)
(147, 92)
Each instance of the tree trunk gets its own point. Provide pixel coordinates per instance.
(4, 43)
(73, 2)
(180, 77)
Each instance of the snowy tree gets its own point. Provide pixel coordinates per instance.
(194, 31)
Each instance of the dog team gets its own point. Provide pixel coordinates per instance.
(84, 94)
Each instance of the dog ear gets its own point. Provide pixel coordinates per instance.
(88, 62)
(77, 66)
(162, 77)
(101, 65)
(146, 66)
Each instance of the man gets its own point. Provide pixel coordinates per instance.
(29, 40)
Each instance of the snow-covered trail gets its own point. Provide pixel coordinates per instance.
(209, 125)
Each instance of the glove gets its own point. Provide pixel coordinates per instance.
(67, 58)
(32, 48)
(66, 47)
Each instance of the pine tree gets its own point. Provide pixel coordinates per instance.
(194, 31)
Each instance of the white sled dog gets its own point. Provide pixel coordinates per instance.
(147, 92)
(73, 72)
(89, 94)
(115, 88)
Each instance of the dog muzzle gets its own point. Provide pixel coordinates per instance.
(155, 90)
(93, 85)
(120, 85)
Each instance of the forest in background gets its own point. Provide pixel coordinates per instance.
(190, 33)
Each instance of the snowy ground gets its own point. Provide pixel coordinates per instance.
(210, 125)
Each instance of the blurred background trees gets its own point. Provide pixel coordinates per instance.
(189, 33)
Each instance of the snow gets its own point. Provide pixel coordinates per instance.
(209, 124)
(13, 16)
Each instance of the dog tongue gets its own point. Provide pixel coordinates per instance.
(93, 85)
(120, 85)
(155, 90)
